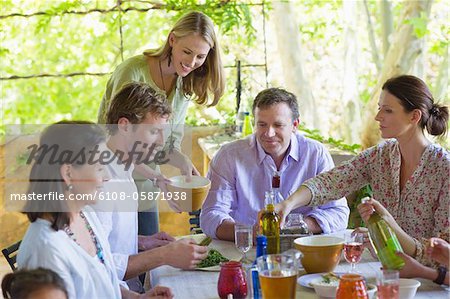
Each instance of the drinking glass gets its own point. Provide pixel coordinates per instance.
(353, 249)
(278, 275)
(388, 284)
(243, 239)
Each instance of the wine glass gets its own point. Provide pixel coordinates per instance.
(353, 249)
(243, 239)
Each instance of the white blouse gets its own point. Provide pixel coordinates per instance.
(84, 275)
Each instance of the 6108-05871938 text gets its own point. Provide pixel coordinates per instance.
(100, 195)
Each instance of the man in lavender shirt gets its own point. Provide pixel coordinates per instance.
(242, 170)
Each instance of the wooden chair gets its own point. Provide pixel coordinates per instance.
(10, 254)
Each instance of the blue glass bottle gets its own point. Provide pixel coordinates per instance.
(261, 249)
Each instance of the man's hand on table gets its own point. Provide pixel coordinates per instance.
(156, 240)
(157, 292)
(184, 254)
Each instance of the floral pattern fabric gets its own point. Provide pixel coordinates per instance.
(421, 208)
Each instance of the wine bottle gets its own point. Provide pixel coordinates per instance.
(270, 225)
(276, 182)
(385, 242)
(240, 116)
(247, 128)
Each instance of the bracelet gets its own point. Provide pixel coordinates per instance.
(442, 271)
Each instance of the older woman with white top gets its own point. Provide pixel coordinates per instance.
(65, 235)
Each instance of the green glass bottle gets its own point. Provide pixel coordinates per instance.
(247, 128)
(270, 225)
(385, 242)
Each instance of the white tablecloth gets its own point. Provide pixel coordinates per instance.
(203, 285)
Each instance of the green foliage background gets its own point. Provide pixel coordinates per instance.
(58, 43)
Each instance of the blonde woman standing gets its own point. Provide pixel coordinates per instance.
(188, 66)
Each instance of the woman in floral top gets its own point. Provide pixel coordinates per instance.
(409, 175)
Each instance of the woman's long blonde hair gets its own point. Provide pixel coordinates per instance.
(208, 78)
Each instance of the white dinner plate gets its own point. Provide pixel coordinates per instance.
(305, 280)
(209, 269)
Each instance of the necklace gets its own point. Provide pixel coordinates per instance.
(171, 138)
(98, 247)
(162, 78)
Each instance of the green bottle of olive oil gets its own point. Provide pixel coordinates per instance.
(270, 225)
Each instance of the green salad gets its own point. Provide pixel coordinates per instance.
(214, 258)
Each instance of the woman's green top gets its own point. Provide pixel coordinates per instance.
(135, 69)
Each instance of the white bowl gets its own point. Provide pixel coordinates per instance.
(408, 288)
(324, 290)
(371, 289)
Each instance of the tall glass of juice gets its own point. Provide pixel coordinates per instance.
(278, 275)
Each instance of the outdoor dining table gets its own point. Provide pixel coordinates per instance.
(203, 284)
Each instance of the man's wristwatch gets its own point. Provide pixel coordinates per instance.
(442, 271)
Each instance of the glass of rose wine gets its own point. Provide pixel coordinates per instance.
(243, 239)
(388, 284)
(353, 249)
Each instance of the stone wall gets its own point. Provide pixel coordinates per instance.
(12, 224)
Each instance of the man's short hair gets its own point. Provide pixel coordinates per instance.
(271, 96)
(133, 102)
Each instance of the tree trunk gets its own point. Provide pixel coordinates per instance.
(386, 24)
(418, 68)
(441, 88)
(373, 44)
(403, 51)
(350, 97)
(289, 49)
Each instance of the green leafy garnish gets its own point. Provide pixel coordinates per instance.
(214, 258)
(330, 277)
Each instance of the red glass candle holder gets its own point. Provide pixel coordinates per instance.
(232, 280)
